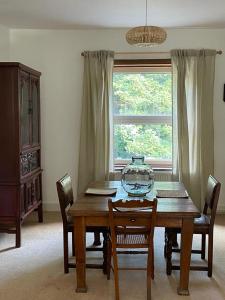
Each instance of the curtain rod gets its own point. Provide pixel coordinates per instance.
(217, 52)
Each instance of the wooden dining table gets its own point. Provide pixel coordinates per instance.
(92, 210)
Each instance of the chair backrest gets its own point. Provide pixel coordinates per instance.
(65, 194)
(212, 197)
(132, 216)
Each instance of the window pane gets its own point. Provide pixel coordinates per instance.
(143, 93)
(153, 141)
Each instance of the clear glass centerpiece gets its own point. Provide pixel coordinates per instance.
(137, 177)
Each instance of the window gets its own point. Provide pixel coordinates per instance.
(142, 111)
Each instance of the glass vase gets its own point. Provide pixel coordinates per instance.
(137, 177)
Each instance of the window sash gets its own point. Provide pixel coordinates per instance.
(142, 70)
(159, 164)
(121, 119)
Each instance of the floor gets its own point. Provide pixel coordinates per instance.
(35, 271)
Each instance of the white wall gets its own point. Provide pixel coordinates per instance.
(57, 54)
(4, 43)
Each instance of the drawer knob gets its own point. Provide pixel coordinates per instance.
(132, 220)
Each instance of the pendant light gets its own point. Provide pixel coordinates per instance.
(146, 36)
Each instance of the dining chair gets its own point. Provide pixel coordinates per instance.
(132, 225)
(203, 226)
(66, 199)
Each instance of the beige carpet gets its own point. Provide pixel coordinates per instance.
(35, 271)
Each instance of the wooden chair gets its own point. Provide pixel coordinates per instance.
(132, 225)
(203, 225)
(65, 195)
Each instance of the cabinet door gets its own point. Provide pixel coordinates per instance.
(25, 109)
(28, 196)
(22, 199)
(37, 188)
(35, 116)
(31, 192)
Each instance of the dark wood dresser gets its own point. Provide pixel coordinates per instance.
(20, 149)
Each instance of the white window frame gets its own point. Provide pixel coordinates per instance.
(147, 66)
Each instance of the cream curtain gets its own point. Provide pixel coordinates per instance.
(193, 80)
(94, 154)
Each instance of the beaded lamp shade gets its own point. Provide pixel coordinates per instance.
(145, 36)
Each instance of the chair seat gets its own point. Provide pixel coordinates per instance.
(203, 220)
(127, 239)
(201, 225)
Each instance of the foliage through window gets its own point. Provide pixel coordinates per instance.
(142, 113)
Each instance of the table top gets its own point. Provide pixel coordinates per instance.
(95, 205)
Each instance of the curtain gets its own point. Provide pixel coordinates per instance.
(95, 130)
(193, 132)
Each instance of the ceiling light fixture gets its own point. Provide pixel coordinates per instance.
(146, 36)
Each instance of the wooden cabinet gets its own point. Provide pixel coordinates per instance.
(20, 149)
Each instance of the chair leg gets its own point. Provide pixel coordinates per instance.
(40, 214)
(203, 246)
(150, 272)
(73, 244)
(165, 242)
(174, 241)
(116, 275)
(210, 254)
(169, 254)
(152, 265)
(18, 234)
(109, 256)
(97, 240)
(149, 279)
(105, 254)
(65, 249)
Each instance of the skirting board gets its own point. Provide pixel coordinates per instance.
(221, 209)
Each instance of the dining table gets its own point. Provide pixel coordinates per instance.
(173, 210)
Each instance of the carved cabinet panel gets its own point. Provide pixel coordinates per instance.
(32, 192)
(29, 162)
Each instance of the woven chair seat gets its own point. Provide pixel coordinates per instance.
(132, 239)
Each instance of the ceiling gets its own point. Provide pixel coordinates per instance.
(72, 14)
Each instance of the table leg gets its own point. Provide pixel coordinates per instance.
(80, 251)
(185, 257)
